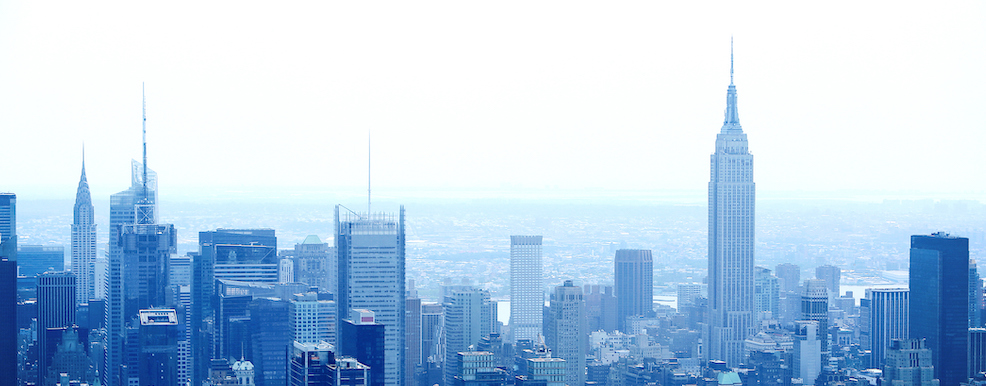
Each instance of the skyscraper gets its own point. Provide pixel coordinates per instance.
(8, 216)
(237, 254)
(884, 316)
(84, 242)
(790, 276)
(767, 298)
(56, 309)
(412, 329)
(567, 335)
(371, 276)
(831, 275)
(815, 307)
(469, 316)
(634, 282)
(313, 320)
(526, 287)
(732, 203)
(939, 312)
(364, 339)
(122, 212)
(8, 288)
(134, 206)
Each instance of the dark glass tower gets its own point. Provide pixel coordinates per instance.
(939, 312)
(56, 309)
(225, 250)
(8, 289)
(634, 280)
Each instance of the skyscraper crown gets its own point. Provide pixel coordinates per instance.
(731, 123)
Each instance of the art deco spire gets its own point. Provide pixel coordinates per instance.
(82, 194)
(731, 123)
(83, 200)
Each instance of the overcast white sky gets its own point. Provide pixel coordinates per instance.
(875, 96)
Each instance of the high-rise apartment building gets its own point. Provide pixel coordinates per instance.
(371, 276)
(939, 311)
(84, 242)
(526, 287)
(883, 319)
(56, 309)
(634, 281)
(732, 203)
(567, 335)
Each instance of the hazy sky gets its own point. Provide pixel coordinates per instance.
(884, 96)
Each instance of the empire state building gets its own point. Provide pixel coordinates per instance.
(732, 197)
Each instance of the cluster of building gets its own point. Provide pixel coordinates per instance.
(240, 311)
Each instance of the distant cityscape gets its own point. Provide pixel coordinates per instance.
(621, 292)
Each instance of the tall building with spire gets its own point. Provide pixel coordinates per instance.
(84, 242)
(371, 266)
(132, 213)
(732, 198)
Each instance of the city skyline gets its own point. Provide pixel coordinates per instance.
(173, 315)
(598, 99)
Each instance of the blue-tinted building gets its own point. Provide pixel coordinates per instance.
(33, 260)
(371, 265)
(8, 289)
(939, 312)
(237, 254)
(271, 337)
(158, 357)
(362, 338)
(56, 309)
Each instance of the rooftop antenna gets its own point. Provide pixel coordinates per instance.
(368, 159)
(144, 110)
(730, 59)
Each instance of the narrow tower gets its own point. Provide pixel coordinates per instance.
(732, 197)
(84, 241)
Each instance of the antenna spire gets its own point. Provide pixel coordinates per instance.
(368, 170)
(144, 129)
(730, 60)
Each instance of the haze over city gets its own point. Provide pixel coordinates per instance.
(544, 210)
(839, 97)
